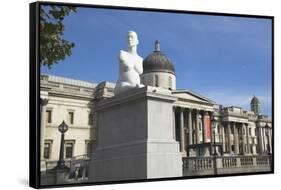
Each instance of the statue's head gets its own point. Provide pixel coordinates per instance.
(132, 39)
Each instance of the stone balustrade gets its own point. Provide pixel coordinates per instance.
(193, 166)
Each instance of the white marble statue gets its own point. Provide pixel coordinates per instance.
(130, 66)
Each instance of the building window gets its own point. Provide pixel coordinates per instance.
(90, 119)
(49, 116)
(69, 148)
(47, 149)
(170, 82)
(250, 132)
(88, 148)
(71, 117)
(232, 148)
(251, 149)
(156, 80)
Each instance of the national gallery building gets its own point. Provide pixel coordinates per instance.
(240, 139)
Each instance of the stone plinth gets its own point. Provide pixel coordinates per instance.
(56, 176)
(135, 137)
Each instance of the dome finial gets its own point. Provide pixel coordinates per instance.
(157, 45)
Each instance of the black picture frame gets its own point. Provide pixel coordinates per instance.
(34, 82)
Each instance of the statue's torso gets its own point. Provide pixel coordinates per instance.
(129, 69)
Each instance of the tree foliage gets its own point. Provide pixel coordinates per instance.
(53, 47)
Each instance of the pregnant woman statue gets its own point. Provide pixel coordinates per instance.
(130, 66)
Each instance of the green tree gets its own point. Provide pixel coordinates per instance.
(53, 47)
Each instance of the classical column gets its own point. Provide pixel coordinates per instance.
(96, 126)
(204, 126)
(236, 142)
(229, 137)
(215, 125)
(266, 140)
(243, 139)
(223, 138)
(197, 126)
(174, 124)
(182, 140)
(270, 140)
(190, 132)
(247, 138)
(263, 139)
(193, 127)
(43, 102)
(260, 140)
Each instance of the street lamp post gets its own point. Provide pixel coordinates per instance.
(63, 127)
(214, 145)
(215, 150)
(61, 171)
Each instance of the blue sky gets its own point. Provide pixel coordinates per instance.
(227, 59)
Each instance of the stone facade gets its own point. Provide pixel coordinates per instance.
(68, 100)
(197, 121)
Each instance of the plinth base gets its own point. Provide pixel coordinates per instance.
(135, 138)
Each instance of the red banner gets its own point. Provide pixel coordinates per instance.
(208, 128)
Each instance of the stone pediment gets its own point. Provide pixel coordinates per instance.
(187, 95)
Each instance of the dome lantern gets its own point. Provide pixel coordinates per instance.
(157, 46)
(158, 70)
(255, 105)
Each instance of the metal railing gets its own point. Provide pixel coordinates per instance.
(78, 165)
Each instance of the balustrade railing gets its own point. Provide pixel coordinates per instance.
(197, 164)
(203, 163)
(228, 162)
(263, 160)
(246, 161)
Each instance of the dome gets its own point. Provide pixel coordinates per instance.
(255, 100)
(158, 62)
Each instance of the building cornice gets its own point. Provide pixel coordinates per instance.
(72, 96)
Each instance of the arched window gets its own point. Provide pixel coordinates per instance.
(156, 80)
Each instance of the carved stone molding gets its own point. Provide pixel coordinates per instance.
(44, 101)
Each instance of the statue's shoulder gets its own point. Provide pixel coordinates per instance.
(139, 58)
(123, 54)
